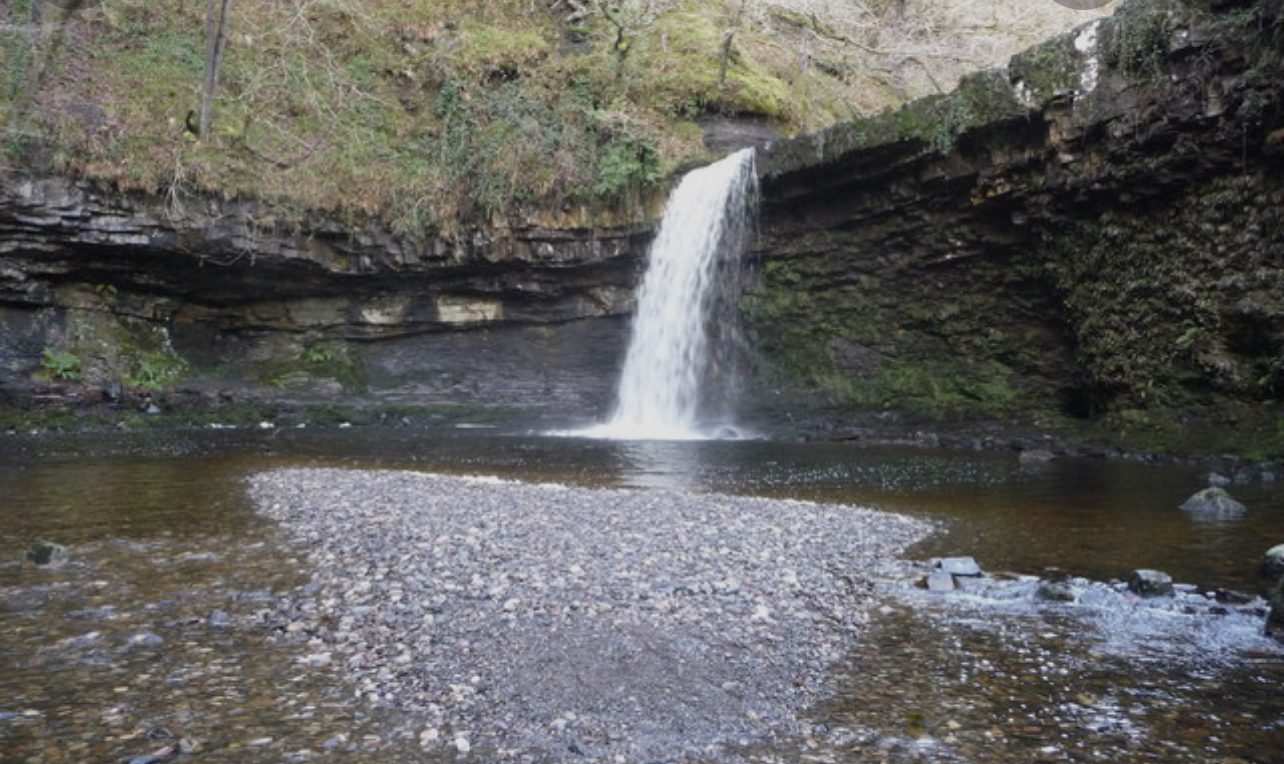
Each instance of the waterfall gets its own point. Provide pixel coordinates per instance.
(678, 380)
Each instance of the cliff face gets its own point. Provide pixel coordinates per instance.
(1095, 232)
(99, 288)
(1092, 234)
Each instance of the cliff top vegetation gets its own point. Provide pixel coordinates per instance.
(432, 113)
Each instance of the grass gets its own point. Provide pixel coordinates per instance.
(432, 115)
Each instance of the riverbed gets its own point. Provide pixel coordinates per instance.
(158, 637)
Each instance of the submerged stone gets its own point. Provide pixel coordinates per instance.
(1213, 501)
(1150, 583)
(47, 553)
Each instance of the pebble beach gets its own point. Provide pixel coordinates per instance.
(526, 622)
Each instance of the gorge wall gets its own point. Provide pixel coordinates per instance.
(1091, 237)
(215, 301)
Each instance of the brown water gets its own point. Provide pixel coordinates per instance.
(121, 653)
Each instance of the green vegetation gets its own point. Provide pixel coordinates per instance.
(336, 362)
(428, 114)
(61, 365)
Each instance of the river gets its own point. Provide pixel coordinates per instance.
(143, 644)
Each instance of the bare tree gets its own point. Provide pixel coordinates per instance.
(728, 41)
(217, 20)
(629, 18)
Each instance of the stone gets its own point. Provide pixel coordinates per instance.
(1035, 456)
(1055, 591)
(146, 639)
(1213, 501)
(1272, 567)
(940, 581)
(959, 566)
(1275, 616)
(47, 553)
(1150, 583)
(1218, 480)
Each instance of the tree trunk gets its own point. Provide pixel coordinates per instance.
(216, 24)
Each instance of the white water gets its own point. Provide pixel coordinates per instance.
(678, 379)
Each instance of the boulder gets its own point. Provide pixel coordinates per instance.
(1150, 583)
(47, 553)
(1272, 567)
(940, 581)
(1213, 501)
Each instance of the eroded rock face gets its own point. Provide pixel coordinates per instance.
(128, 288)
(1095, 230)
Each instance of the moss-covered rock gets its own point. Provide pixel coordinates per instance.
(1089, 240)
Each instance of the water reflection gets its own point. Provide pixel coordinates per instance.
(663, 464)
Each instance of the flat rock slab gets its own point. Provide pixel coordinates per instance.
(960, 566)
(547, 623)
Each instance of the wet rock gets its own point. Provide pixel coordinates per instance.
(1275, 615)
(1272, 567)
(219, 619)
(1055, 591)
(1218, 480)
(1214, 501)
(1035, 456)
(48, 553)
(1150, 583)
(155, 757)
(940, 581)
(959, 566)
(1231, 597)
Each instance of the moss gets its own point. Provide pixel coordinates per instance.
(334, 361)
(1046, 70)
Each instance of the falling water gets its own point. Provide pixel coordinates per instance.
(678, 379)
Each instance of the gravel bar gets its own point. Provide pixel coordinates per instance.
(544, 623)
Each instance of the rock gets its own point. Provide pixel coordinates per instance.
(1055, 591)
(1035, 456)
(219, 619)
(959, 566)
(47, 553)
(940, 581)
(1275, 616)
(1150, 583)
(1232, 597)
(146, 639)
(1218, 480)
(1272, 567)
(1214, 501)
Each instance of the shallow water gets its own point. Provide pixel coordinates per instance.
(162, 536)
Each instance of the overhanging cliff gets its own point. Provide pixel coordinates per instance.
(99, 288)
(1095, 231)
